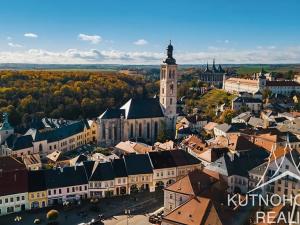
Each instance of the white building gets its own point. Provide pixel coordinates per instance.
(66, 184)
(260, 83)
(44, 141)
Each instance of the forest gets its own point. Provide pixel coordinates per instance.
(31, 94)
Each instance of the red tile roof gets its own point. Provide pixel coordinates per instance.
(13, 176)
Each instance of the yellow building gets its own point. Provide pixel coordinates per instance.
(37, 191)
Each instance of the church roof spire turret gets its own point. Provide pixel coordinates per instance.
(5, 123)
(214, 69)
(170, 60)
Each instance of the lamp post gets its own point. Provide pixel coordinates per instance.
(127, 213)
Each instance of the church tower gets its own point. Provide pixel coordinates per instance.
(168, 89)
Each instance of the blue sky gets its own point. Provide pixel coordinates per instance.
(131, 31)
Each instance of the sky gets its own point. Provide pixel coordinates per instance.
(138, 32)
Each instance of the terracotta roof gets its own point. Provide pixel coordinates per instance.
(240, 80)
(212, 154)
(193, 212)
(195, 144)
(193, 183)
(134, 147)
(55, 156)
(210, 126)
(13, 176)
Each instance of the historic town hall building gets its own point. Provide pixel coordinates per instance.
(144, 118)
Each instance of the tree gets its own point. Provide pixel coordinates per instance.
(266, 94)
(52, 214)
(227, 115)
(162, 133)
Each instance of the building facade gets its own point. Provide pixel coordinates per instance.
(261, 82)
(213, 76)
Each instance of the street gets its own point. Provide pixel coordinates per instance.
(113, 210)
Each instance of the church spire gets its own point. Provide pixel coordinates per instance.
(170, 60)
(214, 69)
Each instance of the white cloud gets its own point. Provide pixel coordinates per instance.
(140, 42)
(8, 38)
(76, 56)
(14, 45)
(94, 39)
(226, 41)
(30, 35)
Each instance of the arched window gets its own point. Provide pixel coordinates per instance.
(163, 90)
(173, 74)
(140, 130)
(171, 102)
(170, 74)
(115, 133)
(155, 130)
(131, 130)
(109, 133)
(148, 130)
(171, 88)
(103, 131)
(40, 148)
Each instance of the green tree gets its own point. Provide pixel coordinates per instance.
(227, 115)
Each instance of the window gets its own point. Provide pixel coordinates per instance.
(11, 199)
(10, 209)
(131, 130)
(40, 148)
(171, 101)
(171, 196)
(148, 130)
(109, 133)
(68, 190)
(162, 90)
(73, 189)
(18, 198)
(103, 131)
(287, 167)
(279, 188)
(49, 192)
(54, 191)
(155, 129)
(171, 88)
(6, 200)
(140, 130)
(115, 133)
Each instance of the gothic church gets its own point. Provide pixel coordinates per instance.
(142, 119)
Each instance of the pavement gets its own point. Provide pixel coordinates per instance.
(124, 220)
(113, 210)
